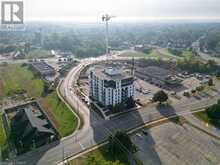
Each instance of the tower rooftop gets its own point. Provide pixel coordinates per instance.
(110, 73)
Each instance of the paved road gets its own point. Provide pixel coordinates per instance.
(95, 129)
(17, 61)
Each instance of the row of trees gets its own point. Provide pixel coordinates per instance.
(84, 40)
(192, 64)
(78, 45)
(7, 48)
(211, 42)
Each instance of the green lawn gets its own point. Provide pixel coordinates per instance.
(3, 141)
(64, 119)
(202, 116)
(15, 78)
(133, 54)
(162, 53)
(39, 53)
(187, 54)
(155, 54)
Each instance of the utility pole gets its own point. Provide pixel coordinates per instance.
(106, 18)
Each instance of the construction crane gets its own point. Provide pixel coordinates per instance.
(106, 18)
(133, 67)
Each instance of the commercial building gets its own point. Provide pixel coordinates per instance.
(110, 86)
(43, 68)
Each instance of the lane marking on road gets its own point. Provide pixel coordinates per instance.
(81, 145)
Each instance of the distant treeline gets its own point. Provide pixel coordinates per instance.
(79, 46)
(192, 65)
(85, 40)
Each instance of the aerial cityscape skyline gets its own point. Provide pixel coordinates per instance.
(110, 82)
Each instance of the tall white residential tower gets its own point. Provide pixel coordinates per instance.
(110, 86)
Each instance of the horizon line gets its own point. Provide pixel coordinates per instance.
(123, 19)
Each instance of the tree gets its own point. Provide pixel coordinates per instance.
(200, 88)
(210, 82)
(214, 112)
(175, 51)
(47, 89)
(120, 143)
(193, 91)
(92, 160)
(130, 102)
(187, 94)
(117, 108)
(160, 96)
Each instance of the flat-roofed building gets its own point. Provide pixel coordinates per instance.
(43, 68)
(110, 86)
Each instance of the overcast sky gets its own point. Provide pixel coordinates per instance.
(145, 9)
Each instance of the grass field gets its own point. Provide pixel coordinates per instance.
(39, 53)
(202, 116)
(162, 53)
(133, 54)
(16, 78)
(3, 141)
(155, 53)
(187, 54)
(63, 118)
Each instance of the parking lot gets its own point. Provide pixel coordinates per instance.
(144, 91)
(172, 144)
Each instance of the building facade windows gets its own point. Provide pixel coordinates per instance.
(110, 88)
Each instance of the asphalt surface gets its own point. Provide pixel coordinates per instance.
(95, 129)
(173, 144)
